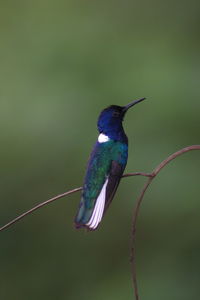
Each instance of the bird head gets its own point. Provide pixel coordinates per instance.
(110, 119)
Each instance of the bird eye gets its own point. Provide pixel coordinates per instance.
(116, 114)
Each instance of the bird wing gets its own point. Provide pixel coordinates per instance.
(102, 179)
(114, 178)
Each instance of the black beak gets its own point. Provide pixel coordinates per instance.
(131, 104)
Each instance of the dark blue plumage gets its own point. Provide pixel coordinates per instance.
(105, 167)
(110, 123)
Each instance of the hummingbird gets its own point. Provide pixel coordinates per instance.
(105, 166)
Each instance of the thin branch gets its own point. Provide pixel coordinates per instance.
(138, 204)
(150, 176)
(30, 211)
(137, 173)
(173, 156)
(135, 215)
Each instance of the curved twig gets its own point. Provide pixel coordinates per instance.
(30, 211)
(138, 204)
(150, 176)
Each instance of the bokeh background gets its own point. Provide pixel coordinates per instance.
(61, 62)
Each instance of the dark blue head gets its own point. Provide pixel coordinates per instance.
(110, 120)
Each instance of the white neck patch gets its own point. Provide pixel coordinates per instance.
(103, 138)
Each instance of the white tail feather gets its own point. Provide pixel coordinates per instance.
(98, 209)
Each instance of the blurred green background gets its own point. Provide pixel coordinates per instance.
(61, 63)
